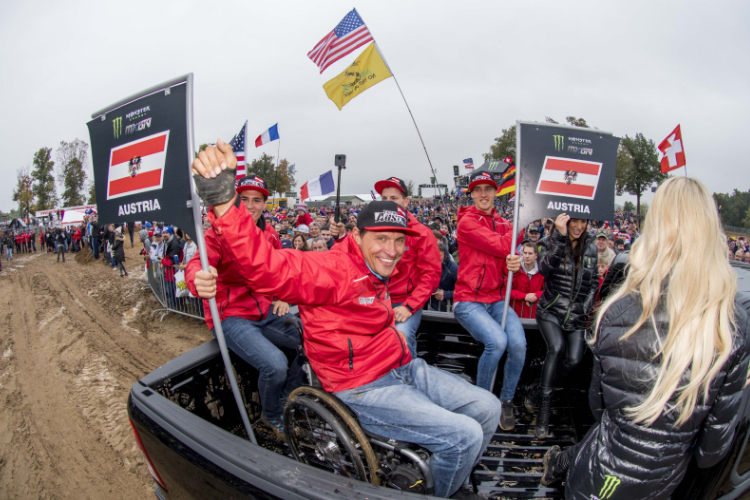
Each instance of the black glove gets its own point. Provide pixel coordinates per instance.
(218, 190)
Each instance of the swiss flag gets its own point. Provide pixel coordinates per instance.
(137, 166)
(674, 154)
(569, 177)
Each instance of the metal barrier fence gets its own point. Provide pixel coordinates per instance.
(165, 291)
(734, 229)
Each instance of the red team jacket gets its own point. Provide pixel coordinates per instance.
(349, 330)
(523, 285)
(483, 244)
(234, 298)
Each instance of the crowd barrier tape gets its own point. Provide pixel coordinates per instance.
(165, 292)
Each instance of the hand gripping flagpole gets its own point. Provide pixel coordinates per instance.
(195, 204)
(514, 240)
(377, 47)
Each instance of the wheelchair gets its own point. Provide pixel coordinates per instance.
(322, 432)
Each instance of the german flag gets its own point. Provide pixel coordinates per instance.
(507, 181)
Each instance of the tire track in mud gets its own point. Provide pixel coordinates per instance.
(67, 361)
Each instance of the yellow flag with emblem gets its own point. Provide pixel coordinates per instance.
(367, 70)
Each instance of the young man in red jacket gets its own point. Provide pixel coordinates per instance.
(528, 283)
(484, 240)
(253, 322)
(350, 335)
(419, 269)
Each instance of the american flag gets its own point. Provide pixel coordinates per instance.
(350, 34)
(238, 146)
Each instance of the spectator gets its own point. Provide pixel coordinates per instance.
(143, 235)
(314, 233)
(651, 338)
(157, 247)
(119, 251)
(444, 293)
(325, 233)
(60, 244)
(302, 216)
(619, 245)
(188, 252)
(300, 243)
(302, 230)
(350, 227)
(739, 255)
(528, 283)
(319, 245)
(602, 247)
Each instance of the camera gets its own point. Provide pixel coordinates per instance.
(340, 161)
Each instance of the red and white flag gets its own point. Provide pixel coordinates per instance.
(674, 154)
(137, 166)
(570, 178)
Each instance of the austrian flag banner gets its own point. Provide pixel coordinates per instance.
(141, 160)
(138, 166)
(565, 170)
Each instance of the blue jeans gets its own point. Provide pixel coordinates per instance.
(255, 342)
(418, 403)
(483, 323)
(95, 246)
(409, 329)
(9, 253)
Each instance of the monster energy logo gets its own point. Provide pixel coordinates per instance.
(610, 485)
(493, 165)
(559, 141)
(117, 126)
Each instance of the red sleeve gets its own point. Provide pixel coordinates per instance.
(273, 237)
(476, 235)
(213, 251)
(427, 269)
(303, 278)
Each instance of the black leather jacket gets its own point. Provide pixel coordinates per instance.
(566, 301)
(619, 459)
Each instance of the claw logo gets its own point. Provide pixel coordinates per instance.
(134, 166)
(610, 485)
(559, 141)
(117, 127)
(570, 176)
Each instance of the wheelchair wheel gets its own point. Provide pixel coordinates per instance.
(321, 432)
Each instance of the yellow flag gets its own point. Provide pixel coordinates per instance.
(367, 70)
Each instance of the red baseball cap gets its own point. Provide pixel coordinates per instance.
(482, 178)
(391, 182)
(252, 182)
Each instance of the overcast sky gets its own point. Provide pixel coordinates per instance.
(468, 70)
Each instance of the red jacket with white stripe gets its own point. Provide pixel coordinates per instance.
(349, 331)
(524, 284)
(233, 297)
(483, 244)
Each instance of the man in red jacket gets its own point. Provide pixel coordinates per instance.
(253, 322)
(484, 240)
(528, 283)
(418, 271)
(350, 335)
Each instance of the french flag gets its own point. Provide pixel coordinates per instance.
(269, 135)
(137, 166)
(568, 177)
(318, 186)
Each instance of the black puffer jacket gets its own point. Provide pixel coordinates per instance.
(566, 301)
(621, 460)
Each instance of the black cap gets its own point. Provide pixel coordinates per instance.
(252, 182)
(384, 216)
(391, 182)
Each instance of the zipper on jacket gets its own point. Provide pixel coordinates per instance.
(553, 301)
(351, 354)
(401, 343)
(480, 280)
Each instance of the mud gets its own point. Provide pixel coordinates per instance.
(74, 337)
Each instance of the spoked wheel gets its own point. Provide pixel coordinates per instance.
(321, 432)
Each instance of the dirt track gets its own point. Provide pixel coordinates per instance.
(74, 338)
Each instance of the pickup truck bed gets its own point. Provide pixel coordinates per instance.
(191, 431)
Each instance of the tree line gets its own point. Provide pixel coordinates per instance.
(37, 184)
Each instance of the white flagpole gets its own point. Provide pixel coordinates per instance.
(246, 138)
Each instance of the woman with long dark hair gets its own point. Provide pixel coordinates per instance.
(569, 267)
(670, 358)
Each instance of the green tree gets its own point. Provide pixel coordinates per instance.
(71, 163)
(409, 188)
(637, 167)
(92, 194)
(24, 192)
(733, 207)
(44, 179)
(277, 179)
(746, 221)
(628, 207)
(504, 146)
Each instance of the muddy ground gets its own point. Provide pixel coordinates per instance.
(74, 338)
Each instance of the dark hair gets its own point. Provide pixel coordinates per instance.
(350, 225)
(325, 227)
(529, 244)
(619, 241)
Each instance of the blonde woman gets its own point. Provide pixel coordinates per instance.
(670, 359)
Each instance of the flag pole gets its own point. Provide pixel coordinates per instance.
(514, 240)
(377, 47)
(195, 205)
